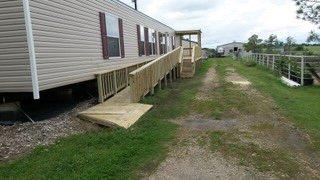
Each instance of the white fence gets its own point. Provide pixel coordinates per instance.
(301, 69)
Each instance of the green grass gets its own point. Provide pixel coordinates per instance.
(112, 154)
(314, 49)
(301, 104)
(224, 98)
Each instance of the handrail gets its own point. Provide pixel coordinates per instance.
(294, 67)
(197, 53)
(143, 79)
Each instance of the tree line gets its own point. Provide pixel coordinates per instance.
(273, 45)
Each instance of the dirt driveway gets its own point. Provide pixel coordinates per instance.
(249, 139)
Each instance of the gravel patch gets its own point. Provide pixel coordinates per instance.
(20, 139)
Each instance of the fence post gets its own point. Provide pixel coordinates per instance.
(289, 70)
(302, 71)
(268, 59)
(273, 60)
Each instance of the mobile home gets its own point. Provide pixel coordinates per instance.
(46, 44)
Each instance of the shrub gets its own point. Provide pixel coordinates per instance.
(250, 63)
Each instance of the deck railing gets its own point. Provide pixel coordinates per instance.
(297, 68)
(197, 56)
(144, 79)
(111, 82)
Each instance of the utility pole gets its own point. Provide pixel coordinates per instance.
(135, 4)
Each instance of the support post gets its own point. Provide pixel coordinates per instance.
(174, 74)
(268, 59)
(100, 88)
(165, 81)
(159, 85)
(199, 40)
(302, 71)
(170, 77)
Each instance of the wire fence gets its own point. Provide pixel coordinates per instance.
(301, 69)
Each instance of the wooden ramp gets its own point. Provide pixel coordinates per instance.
(116, 112)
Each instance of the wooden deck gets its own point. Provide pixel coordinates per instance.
(118, 111)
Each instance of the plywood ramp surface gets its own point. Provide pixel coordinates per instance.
(116, 112)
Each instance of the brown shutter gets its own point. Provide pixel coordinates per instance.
(156, 42)
(104, 38)
(146, 41)
(139, 37)
(121, 38)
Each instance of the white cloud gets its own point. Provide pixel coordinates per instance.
(223, 21)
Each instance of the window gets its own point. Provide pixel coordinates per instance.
(142, 43)
(152, 42)
(113, 35)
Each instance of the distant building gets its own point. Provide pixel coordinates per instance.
(230, 48)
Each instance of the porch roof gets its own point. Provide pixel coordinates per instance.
(188, 32)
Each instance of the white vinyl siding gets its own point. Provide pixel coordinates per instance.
(15, 73)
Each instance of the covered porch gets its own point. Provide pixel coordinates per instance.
(189, 35)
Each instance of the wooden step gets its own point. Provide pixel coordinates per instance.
(187, 69)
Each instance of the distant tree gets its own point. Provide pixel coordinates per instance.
(289, 44)
(278, 44)
(313, 37)
(299, 47)
(270, 43)
(308, 10)
(253, 44)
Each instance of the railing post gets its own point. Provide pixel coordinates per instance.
(127, 77)
(302, 71)
(273, 61)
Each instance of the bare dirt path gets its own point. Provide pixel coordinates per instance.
(254, 142)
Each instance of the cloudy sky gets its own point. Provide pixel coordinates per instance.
(224, 21)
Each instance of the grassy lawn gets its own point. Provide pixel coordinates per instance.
(112, 154)
(314, 49)
(299, 104)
